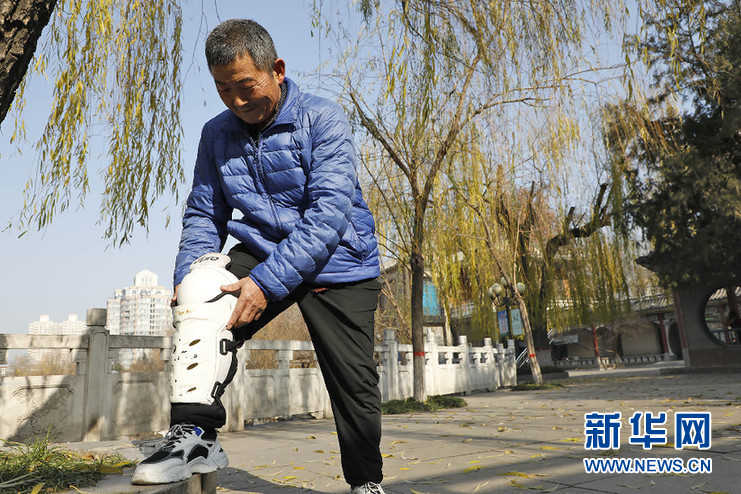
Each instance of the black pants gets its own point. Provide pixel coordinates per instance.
(340, 322)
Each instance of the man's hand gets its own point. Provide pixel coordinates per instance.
(174, 299)
(250, 305)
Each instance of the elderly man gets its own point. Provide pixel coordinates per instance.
(285, 160)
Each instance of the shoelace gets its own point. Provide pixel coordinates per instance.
(175, 434)
(372, 488)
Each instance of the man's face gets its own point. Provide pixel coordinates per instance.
(247, 91)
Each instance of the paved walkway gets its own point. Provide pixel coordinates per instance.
(502, 442)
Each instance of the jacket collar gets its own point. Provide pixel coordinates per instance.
(288, 113)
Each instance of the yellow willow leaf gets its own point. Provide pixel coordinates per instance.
(298, 468)
(397, 442)
(404, 468)
(473, 462)
(289, 477)
(37, 488)
(572, 440)
(516, 474)
(467, 440)
(311, 437)
(472, 469)
(320, 451)
(501, 428)
(481, 485)
(387, 455)
(549, 448)
(415, 491)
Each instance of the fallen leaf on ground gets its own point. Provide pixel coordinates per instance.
(572, 440)
(516, 474)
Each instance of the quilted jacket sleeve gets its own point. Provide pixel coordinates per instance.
(206, 213)
(330, 186)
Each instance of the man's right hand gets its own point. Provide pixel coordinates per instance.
(174, 299)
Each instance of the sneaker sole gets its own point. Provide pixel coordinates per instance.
(154, 474)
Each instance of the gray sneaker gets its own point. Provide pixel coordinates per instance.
(367, 488)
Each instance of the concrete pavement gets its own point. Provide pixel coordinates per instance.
(502, 442)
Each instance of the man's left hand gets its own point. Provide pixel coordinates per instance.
(250, 305)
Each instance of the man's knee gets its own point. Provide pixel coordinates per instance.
(203, 355)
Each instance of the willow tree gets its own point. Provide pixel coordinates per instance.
(115, 68)
(436, 67)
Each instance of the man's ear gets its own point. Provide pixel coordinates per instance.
(279, 70)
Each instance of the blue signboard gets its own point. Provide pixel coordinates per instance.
(503, 323)
(430, 304)
(516, 322)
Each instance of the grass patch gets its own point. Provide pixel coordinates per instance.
(411, 405)
(535, 387)
(39, 467)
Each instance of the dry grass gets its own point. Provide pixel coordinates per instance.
(41, 467)
(152, 364)
(50, 364)
(287, 326)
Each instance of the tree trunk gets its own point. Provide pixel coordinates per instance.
(22, 22)
(595, 342)
(418, 274)
(534, 365)
(448, 333)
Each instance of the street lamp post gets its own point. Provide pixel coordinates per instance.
(503, 294)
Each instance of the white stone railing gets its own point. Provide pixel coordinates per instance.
(626, 361)
(98, 403)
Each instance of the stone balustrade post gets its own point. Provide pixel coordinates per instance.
(465, 363)
(392, 368)
(284, 358)
(501, 362)
(431, 365)
(283, 375)
(97, 389)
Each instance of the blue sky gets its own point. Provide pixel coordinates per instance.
(68, 267)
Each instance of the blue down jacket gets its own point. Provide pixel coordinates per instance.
(302, 210)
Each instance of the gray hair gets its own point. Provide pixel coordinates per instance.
(236, 37)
